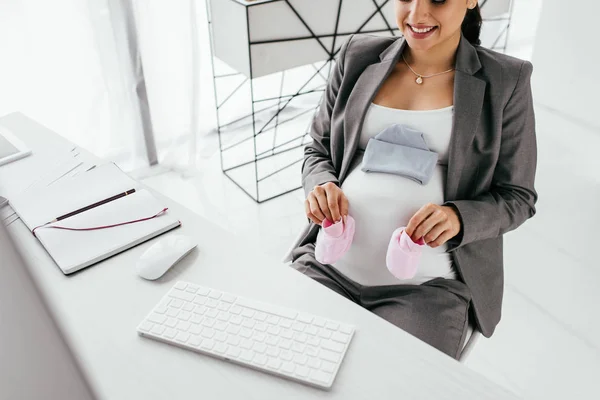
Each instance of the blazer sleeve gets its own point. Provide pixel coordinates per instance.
(317, 167)
(512, 196)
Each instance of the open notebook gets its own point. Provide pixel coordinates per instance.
(74, 250)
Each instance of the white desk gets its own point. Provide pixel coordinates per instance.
(100, 307)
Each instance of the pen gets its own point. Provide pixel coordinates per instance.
(101, 202)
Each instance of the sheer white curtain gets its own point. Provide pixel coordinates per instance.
(74, 66)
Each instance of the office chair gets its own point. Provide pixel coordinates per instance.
(473, 333)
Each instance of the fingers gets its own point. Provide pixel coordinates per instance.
(343, 205)
(443, 238)
(415, 222)
(309, 214)
(321, 196)
(436, 232)
(314, 208)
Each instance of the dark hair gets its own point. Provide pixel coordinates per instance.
(471, 26)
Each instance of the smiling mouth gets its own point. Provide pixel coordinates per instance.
(423, 29)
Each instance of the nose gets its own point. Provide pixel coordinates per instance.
(419, 11)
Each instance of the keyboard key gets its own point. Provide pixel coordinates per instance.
(221, 337)
(265, 307)
(260, 359)
(220, 325)
(215, 294)
(273, 319)
(233, 330)
(300, 337)
(246, 344)
(298, 347)
(288, 367)
(184, 315)
(176, 303)
(234, 340)
(274, 330)
(247, 355)
(195, 341)
(237, 310)
(286, 323)
(189, 307)
(183, 326)
(196, 319)
(320, 322)
(209, 322)
(260, 316)
(200, 310)
(273, 351)
(180, 285)
(332, 325)
(208, 333)
(248, 313)
(207, 344)
(248, 323)
(157, 318)
(346, 329)
(307, 319)
(314, 363)
(311, 351)
(259, 336)
(329, 356)
(158, 330)
(311, 330)
(171, 322)
(300, 359)
(203, 291)
(320, 377)
(173, 312)
(195, 329)
(272, 340)
(212, 313)
(221, 348)
(200, 300)
(245, 332)
(233, 352)
(182, 337)
(325, 333)
(340, 337)
(299, 326)
(160, 310)
(313, 341)
(212, 303)
(274, 364)
(287, 334)
(146, 326)
(302, 371)
(223, 316)
(182, 295)
(191, 288)
(170, 333)
(259, 347)
(333, 346)
(224, 306)
(261, 327)
(228, 298)
(286, 355)
(327, 366)
(236, 320)
(285, 344)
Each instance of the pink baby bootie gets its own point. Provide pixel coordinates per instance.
(403, 254)
(334, 240)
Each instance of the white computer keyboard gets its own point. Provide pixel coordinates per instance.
(280, 341)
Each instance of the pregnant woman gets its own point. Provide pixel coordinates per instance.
(474, 109)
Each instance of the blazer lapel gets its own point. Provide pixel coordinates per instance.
(362, 95)
(469, 93)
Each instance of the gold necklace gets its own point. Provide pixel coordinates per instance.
(420, 77)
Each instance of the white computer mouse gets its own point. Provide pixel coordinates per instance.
(162, 255)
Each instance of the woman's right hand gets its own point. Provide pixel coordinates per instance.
(326, 201)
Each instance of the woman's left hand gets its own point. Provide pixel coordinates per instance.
(435, 224)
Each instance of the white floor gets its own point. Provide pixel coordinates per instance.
(547, 345)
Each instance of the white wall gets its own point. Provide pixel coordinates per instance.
(566, 59)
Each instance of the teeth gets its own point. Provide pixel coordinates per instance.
(421, 30)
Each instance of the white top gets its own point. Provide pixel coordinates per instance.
(380, 203)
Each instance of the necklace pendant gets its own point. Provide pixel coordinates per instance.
(419, 80)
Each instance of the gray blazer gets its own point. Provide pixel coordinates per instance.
(492, 153)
